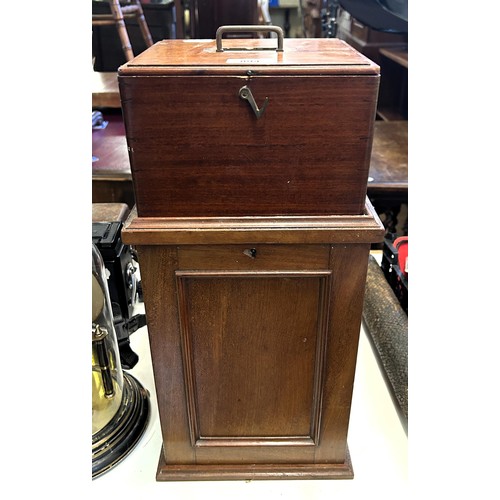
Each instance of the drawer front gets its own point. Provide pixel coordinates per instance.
(254, 257)
(198, 149)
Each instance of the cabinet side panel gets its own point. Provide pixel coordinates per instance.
(349, 266)
(157, 265)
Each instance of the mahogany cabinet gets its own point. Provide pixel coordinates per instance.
(253, 231)
(254, 327)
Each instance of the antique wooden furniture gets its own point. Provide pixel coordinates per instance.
(389, 160)
(393, 95)
(368, 41)
(253, 231)
(105, 93)
(159, 17)
(388, 177)
(111, 174)
(112, 177)
(119, 12)
(381, 35)
(197, 148)
(372, 24)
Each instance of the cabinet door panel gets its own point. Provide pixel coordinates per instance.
(253, 351)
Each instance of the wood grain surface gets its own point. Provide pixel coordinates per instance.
(300, 56)
(389, 158)
(254, 365)
(196, 148)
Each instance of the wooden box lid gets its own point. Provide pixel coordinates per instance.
(315, 56)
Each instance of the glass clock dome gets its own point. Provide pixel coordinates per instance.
(120, 405)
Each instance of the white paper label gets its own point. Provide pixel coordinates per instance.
(250, 61)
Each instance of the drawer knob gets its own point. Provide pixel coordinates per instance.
(251, 252)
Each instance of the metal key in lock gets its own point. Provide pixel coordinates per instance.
(246, 93)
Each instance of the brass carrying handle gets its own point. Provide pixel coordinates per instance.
(248, 29)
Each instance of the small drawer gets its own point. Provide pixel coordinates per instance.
(258, 257)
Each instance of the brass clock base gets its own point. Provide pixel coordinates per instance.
(253, 471)
(117, 439)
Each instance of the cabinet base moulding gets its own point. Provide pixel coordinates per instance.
(237, 472)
